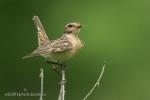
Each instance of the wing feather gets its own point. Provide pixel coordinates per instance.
(54, 46)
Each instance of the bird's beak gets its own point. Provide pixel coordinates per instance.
(80, 26)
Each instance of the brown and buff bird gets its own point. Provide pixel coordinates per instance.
(60, 49)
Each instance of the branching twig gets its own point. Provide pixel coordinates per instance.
(96, 84)
(62, 83)
(41, 76)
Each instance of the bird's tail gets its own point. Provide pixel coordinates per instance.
(42, 36)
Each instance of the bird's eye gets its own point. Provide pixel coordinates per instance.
(70, 25)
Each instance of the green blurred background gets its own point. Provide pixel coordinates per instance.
(117, 31)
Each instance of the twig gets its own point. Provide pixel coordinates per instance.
(41, 76)
(62, 83)
(96, 84)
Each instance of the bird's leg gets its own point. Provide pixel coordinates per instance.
(52, 62)
(63, 66)
(54, 66)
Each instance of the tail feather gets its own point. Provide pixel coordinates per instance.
(42, 36)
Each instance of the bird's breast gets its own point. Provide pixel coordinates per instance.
(77, 44)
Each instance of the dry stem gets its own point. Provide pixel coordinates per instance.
(96, 84)
(41, 76)
(62, 83)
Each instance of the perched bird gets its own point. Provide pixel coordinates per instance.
(60, 49)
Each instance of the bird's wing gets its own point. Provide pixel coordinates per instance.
(62, 45)
(54, 46)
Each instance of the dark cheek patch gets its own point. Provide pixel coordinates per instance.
(69, 32)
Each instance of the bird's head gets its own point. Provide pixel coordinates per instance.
(72, 28)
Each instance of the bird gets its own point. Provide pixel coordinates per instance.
(61, 49)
